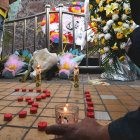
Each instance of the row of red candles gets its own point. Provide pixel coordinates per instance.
(90, 105)
(33, 110)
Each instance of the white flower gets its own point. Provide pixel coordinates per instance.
(99, 19)
(106, 49)
(105, 29)
(101, 35)
(125, 25)
(107, 36)
(109, 23)
(115, 17)
(126, 6)
(101, 3)
(115, 5)
(123, 45)
(124, 17)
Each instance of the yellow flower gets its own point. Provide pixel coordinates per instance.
(127, 11)
(102, 51)
(94, 24)
(108, 1)
(101, 9)
(120, 23)
(96, 41)
(103, 41)
(115, 48)
(109, 15)
(122, 58)
(131, 21)
(74, 3)
(103, 22)
(92, 17)
(119, 35)
(131, 30)
(97, 16)
(12, 67)
(90, 6)
(116, 12)
(97, 1)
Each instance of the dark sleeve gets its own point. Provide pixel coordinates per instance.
(11, 1)
(134, 50)
(135, 10)
(126, 128)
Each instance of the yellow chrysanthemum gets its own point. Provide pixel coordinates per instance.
(74, 3)
(103, 22)
(97, 1)
(96, 41)
(102, 51)
(131, 30)
(103, 41)
(92, 17)
(120, 23)
(116, 12)
(131, 21)
(122, 58)
(90, 6)
(94, 24)
(127, 11)
(97, 16)
(119, 35)
(108, 1)
(109, 15)
(115, 48)
(101, 9)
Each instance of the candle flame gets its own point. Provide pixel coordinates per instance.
(65, 109)
(67, 105)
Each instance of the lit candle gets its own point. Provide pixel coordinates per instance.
(66, 113)
(38, 77)
(76, 76)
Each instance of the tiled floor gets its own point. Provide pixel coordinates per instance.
(110, 103)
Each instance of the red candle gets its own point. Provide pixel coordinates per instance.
(8, 117)
(35, 105)
(88, 99)
(16, 89)
(33, 110)
(45, 90)
(42, 126)
(22, 114)
(47, 94)
(38, 98)
(90, 104)
(23, 89)
(38, 90)
(43, 96)
(87, 92)
(30, 102)
(20, 99)
(31, 90)
(90, 114)
(87, 95)
(90, 109)
(27, 98)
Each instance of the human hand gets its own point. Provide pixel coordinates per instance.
(87, 129)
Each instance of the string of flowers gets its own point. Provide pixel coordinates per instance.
(114, 23)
